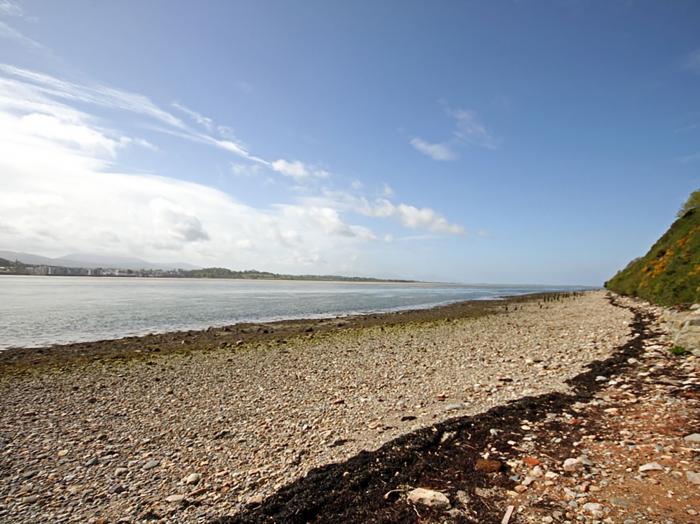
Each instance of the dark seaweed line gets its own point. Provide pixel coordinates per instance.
(353, 490)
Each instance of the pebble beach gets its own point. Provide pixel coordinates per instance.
(190, 436)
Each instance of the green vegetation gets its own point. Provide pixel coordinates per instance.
(678, 351)
(692, 203)
(669, 274)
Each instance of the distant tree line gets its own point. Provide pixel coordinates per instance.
(16, 267)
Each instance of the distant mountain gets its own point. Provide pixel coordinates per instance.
(669, 273)
(92, 261)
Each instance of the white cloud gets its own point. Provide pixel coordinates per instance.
(298, 170)
(10, 8)
(199, 118)
(93, 94)
(414, 217)
(388, 190)
(435, 151)
(471, 131)
(61, 193)
(246, 169)
(407, 215)
(10, 33)
(468, 131)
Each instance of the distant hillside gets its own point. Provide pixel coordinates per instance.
(91, 261)
(669, 273)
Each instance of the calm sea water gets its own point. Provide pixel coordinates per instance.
(40, 311)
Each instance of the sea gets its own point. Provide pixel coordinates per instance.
(39, 311)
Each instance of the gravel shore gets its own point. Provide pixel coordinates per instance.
(186, 437)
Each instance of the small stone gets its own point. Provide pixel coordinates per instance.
(488, 465)
(173, 499)
(192, 478)
(572, 464)
(31, 499)
(62, 453)
(91, 461)
(693, 438)
(255, 500)
(531, 461)
(593, 508)
(520, 488)
(429, 497)
(693, 477)
(116, 489)
(601, 378)
(120, 471)
(651, 466)
(151, 464)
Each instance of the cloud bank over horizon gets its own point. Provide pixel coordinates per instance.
(63, 189)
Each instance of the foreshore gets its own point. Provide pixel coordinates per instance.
(258, 333)
(187, 427)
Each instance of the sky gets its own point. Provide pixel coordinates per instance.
(490, 142)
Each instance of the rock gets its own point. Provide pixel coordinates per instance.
(593, 508)
(120, 471)
(192, 478)
(454, 407)
(520, 488)
(151, 464)
(116, 489)
(175, 499)
(572, 464)
(693, 477)
(693, 438)
(536, 472)
(429, 497)
(651, 466)
(255, 500)
(91, 461)
(488, 465)
(62, 453)
(531, 461)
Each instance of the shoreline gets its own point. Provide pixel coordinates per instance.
(223, 336)
(196, 435)
(551, 458)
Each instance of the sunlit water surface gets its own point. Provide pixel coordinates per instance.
(40, 311)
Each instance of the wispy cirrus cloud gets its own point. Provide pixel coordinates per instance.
(63, 190)
(10, 8)
(10, 33)
(468, 130)
(108, 97)
(298, 170)
(96, 94)
(439, 151)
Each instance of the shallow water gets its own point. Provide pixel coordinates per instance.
(39, 311)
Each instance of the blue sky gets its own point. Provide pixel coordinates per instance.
(528, 141)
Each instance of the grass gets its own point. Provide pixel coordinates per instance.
(669, 274)
(678, 351)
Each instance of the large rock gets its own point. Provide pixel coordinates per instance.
(429, 497)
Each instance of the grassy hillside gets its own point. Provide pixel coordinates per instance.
(669, 273)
